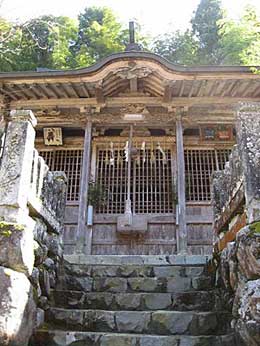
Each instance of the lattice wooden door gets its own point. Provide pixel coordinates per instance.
(152, 177)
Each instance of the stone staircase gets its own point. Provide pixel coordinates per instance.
(136, 301)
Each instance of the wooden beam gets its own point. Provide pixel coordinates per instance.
(230, 235)
(121, 101)
(134, 84)
(99, 95)
(167, 93)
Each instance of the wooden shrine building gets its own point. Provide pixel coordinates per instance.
(138, 138)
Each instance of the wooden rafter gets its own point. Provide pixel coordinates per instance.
(181, 88)
(227, 90)
(8, 93)
(39, 93)
(48, 91)
(84, 90)
(74, 90)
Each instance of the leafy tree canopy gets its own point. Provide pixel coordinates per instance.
(205, 27)
(178, 47)
(61, 42)
(240, 39)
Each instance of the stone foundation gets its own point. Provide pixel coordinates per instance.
(32, 202)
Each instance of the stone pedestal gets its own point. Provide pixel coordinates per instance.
(16, 166)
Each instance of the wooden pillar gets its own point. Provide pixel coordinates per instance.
(84, 234)
(181, 207)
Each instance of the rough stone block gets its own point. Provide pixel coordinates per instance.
(97, 300)
(202, 282)
(78, 283)
(178, 284)
(145, 284)
(169, 271)
(157, 301)
(104, 271)
(131, 321)
(69, 318)
(17, 308)
(118, 340)
(135, 271)
(168, 322)
(16, 247)
(128, 301)
(77, 269)
(103, 320)
(110, 284)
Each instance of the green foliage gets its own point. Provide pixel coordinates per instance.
(97, 196)
(41, 42)
(240, 40)
(61, 42)
(180, 48)
(100, 34)
(255, 228)
(206, 29)
(9, 45)
(7, 228)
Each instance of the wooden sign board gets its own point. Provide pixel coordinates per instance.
(52, 136)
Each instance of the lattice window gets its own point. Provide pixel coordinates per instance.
(199, 166)
(151, 179)
(70, 162)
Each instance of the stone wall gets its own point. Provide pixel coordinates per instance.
(236, 201)
(32, 202)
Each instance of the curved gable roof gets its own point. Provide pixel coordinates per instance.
(165, 64)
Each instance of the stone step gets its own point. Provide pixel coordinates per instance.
(135, 284)
(71, 338)
(192, 260)
(126, 271)
(180, 301)
(148, 322)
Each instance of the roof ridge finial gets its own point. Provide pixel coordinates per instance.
(132, 45)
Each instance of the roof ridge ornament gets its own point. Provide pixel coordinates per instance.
(132, 45)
